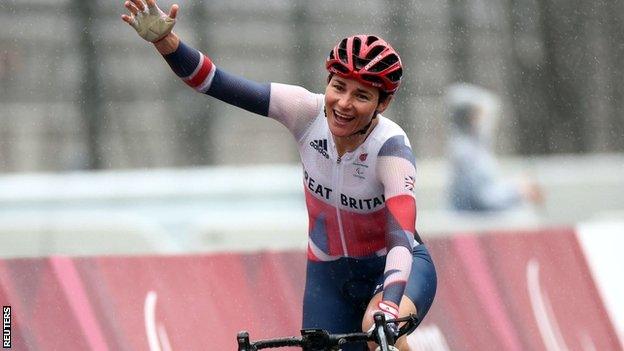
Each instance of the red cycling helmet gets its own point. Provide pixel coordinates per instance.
(367, 59)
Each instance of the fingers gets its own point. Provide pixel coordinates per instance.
(150, 3)
(174, 11)
(139, 4)
(131, 7)
(130, 20)
(133, 10)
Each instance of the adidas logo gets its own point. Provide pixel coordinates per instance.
(322, 143)
(321, 146)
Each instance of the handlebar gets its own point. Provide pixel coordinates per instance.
(319, 339)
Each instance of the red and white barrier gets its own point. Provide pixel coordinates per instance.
(517, 291)
(497, 291)
(602, 244)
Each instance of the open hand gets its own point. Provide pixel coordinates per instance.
(148, 20)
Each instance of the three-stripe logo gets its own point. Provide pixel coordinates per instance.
(322, 143)
(321, 146)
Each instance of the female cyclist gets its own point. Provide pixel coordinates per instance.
(364, 254)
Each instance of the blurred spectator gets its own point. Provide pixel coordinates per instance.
(476, 185)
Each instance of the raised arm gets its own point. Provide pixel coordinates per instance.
(397, 172)
(293, 106)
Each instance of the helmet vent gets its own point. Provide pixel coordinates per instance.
(342, 51)
(371, 39)
(357, 44)
(378, 67)
(374, 52)
(385, 63)
(391, 60)
(360, 62)
(396, 75)
(340, 68)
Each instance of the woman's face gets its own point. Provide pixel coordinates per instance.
(350, 105)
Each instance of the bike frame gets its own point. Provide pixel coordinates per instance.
(321, 340)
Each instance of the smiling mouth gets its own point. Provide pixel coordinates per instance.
(343, 119)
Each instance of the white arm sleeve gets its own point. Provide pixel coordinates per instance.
(294, 107)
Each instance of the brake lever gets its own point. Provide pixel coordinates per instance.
(410, 326)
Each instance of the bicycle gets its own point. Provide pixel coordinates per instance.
(321, 340)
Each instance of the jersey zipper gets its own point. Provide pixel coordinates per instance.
(338, 178)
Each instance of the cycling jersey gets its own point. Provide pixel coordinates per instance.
(360, 204)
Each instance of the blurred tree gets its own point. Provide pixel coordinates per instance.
(91, 91)
(613, 11)
(563, 27)
(459, 42)
(194, 115)
(303, 53)
(528, 88)
(397, 21)
(551, 89)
